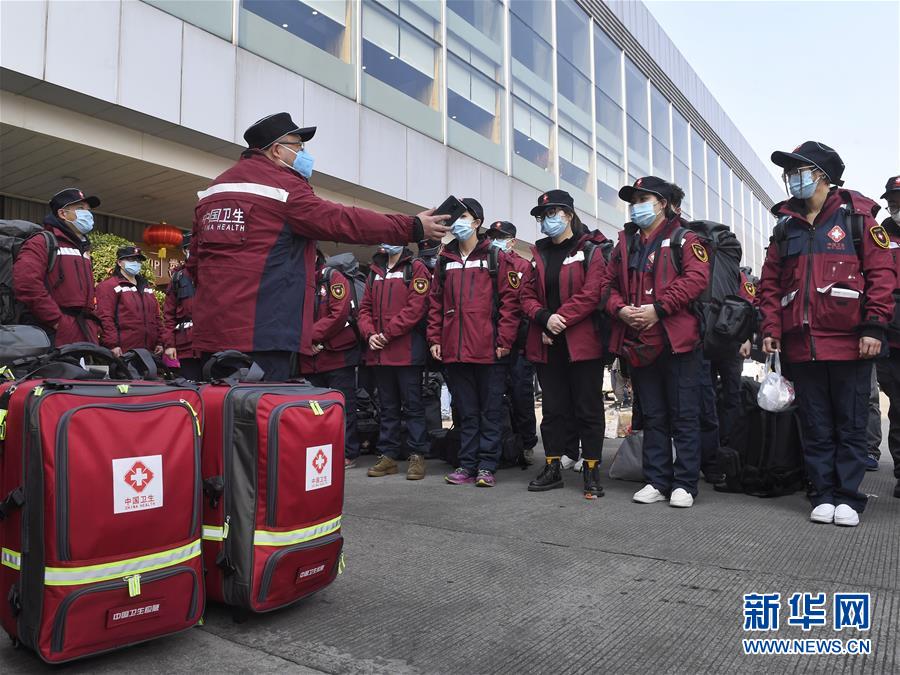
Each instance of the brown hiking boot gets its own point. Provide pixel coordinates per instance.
(384, 467)
(416, 469)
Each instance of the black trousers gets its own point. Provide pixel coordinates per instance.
(889, 380)
(728, 372)
(521, 393)
(477, 391)
(344, 380)
(833, 400)
(399, 390)
(572, 404)
(669, 391)
(709, 422)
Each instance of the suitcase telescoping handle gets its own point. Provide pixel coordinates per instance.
(232, 367)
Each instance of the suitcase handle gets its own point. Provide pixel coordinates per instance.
(242, 367)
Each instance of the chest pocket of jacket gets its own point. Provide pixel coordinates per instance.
(797, 242)
(225, 222)
(844, 273)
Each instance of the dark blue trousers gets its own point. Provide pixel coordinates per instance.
(344, 380)
(670, 391)
(399, 390)
(709, 422)
(521, 392)
(728, 372)
(833, 400)
(477, 391)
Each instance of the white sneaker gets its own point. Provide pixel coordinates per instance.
(648, 495)
(823, 513)
(845, 516)
(576, 467)
(681, 499)
(567, 462)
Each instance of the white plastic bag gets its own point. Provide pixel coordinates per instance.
(776, 392)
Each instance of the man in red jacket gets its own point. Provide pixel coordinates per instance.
(826, 300)
(889, 368)
(391, 320)
(127, 306)
(253, 252)
(178, 322)
(521, 371)
(658, 334)
(60, 301)
(473, 318)
(335, 349)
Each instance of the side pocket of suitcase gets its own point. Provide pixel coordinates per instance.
(290, 573)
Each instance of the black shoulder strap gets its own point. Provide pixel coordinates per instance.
(407, 272)
(856, 223)
(442, 269)
(493, 262)
(589, 248)
(675, 243)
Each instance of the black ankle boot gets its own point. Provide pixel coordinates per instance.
(592, 487)
(549, 478)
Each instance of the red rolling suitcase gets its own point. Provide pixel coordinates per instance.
(273, 468)
(101, 521)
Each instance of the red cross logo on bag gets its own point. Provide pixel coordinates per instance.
(319, 462)
(836, 234)
(138, 476)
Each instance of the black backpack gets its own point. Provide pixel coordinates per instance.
(765, 457)
(14, 233)
(726, 319)
(602, 321)
(348, 265)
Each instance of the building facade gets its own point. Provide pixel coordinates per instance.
(142, 102)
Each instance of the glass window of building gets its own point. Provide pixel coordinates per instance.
(214, 16)
(725, 182)
(681, 155)
(662, 142)
(475, 79)
(736, 200)
(573, 68)
(714, 205)
(401, 62)
(698, 175)
(532, 90)
(636, 126)
(313, 38)
(608, 127)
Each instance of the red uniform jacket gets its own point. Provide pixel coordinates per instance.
(655, 281)
(893, 333)
(178, 319)
(523, 268)
(396, 304)
(579, 294)
(331, 326)
(253, 255)
(68, 290)
(816, 299)
(461, 315)
(129, 314)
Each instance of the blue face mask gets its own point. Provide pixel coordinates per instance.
(462, 229)
(802, 185)
(643, 215)
(391, 250)
(500, 244)
(303, 163)
(84, 221)
(132, 267)
(553, 226)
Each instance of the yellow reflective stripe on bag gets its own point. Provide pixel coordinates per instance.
(271, 538)
(89, 574)
(10, 558)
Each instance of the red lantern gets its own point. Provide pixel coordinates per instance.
(162, 235)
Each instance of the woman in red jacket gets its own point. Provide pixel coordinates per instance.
(127, 307)
(561, 296)
(472, 323)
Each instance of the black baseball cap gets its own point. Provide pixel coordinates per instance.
(813, 153)
(501, 229)
(69, 196)
(650, 184)
(474, 207)
(129, 252)
(262, 133)
(553, 198)
(892, 185)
